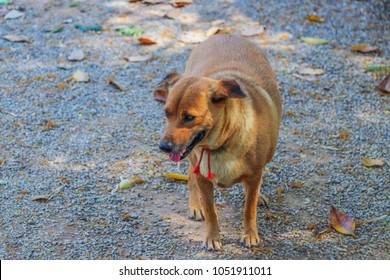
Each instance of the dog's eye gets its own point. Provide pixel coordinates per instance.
(188, 118)
(167, 114)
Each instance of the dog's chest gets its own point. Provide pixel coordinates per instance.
(225, 167)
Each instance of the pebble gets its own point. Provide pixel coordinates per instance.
(103, 134)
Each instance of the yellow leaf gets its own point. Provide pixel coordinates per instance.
(176, 176)
(127, 184)
(315, 18)
(364, 49)
(341, 222)
(314, 41)
(370, 162)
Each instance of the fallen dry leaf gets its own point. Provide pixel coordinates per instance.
(49, 125)
(16, 38)
(180, 3)
(193, 36)
(212, 31)
(262, 250)
(341, 222)
(176, 176)
(146, 41)
(270, 216)
(369, 162)
(280, 192)
(40, 198)
(385, 84)
(315, 18)
(116, 84)
(365, 49)
(285, 36)
(249, 31)
(311, 71)
(137, 58)
(296, 185)
(80, 77)
(314, 41)
(152, 2)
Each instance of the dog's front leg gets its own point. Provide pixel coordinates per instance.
(212, 240)
(252, 185)
(195, 210)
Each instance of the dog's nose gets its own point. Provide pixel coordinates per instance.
(166, 146)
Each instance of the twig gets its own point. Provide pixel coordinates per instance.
(373, 220)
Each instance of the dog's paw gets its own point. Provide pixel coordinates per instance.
(212, 244)
(196, 213)
(250, 239)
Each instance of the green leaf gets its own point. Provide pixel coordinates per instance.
(5, 2)
(314, 41)
(84, 28)
(133, 31)
(378, 68)
(74, 4)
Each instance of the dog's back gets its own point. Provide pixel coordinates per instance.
(231, 54)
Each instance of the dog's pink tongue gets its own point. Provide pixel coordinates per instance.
(174, 157)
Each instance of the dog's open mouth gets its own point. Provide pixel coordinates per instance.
(176, 157)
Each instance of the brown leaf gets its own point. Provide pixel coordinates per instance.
(311, 226)
(146, 41)
(370, 162)
(262, 250)
(49, 125)
(270, 216)
(296, 185)
(280, 192)
(138, 180)
(315, 18)
(345, 134)
(180, 3)
(40, 198)
(365, 49)
(385, 84)
(341, 222)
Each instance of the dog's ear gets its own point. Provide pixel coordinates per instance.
(227, 89)
(161, 92)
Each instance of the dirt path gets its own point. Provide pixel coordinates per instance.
(64, 145)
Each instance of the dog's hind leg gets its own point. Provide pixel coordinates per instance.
(195, 210)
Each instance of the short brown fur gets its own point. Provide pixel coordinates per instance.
(230, 89)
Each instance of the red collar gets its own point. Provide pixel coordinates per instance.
(196, 171)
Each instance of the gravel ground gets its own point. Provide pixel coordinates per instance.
(65, 145)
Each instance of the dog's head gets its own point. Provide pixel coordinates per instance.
(193, 108)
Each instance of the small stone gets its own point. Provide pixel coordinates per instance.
(14, 14)
(76, 55)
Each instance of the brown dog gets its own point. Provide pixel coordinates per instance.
(224, 112)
